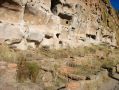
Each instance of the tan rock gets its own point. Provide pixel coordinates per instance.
(118, 68)
(12, 65)
(10, 33)
(73, 86)
(76, 22)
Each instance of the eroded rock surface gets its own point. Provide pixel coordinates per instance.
(58, 23)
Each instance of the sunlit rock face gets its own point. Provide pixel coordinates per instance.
(57, 23)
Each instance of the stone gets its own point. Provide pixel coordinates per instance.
(23, 45)
(117, 68)
(37, 13)
(47, 43)
(73, 86)
(2, 63)
(47, 79)
(10, 12)
(10, 34)
(34, 34)
(71, 23)
(12, 65)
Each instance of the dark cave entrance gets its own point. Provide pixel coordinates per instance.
(53, 7)
(65, 16)
(91, 36)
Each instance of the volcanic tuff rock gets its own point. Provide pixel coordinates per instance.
(57, 23)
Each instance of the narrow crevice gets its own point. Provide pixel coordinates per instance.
(48, 36)
(91, 36)
(65, 16)
(110, 73)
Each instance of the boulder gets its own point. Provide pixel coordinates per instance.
(10, 33)
(35, 34)
(47, 79)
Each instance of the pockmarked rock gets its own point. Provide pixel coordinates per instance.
(70, 23)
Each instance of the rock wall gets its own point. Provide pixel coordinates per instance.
(57, 23)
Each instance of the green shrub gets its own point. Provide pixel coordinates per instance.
(33, 70)
(27, 70)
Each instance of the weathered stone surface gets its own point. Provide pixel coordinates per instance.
(35, 35)
(10, 33)
(118, 68)
(47, 79)
(71, 23)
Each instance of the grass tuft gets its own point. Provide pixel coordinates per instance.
(27, 69)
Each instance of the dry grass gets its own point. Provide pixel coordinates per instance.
(93, 66)
(54, 53)
(90, 67)
(66, 53)
(27, 69)
(7, 54)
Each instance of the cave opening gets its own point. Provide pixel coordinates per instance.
(67, 5)
(48, 36)
(60, 42)
(53, 7)
(91, 36)
(57, 35)
(67, 22)
(65, 16)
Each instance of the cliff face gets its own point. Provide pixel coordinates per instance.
(57, 23)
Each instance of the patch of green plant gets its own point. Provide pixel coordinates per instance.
(7, 54)
(33, 70)
(53, 53)
(108, 63)
(65, 53)
(27, 70)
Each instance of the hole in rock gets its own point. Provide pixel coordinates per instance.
(73, 28)
(67, 5)
(67, 22)
(54, 4)
(77, 6)
(60, 42)
(57, 35)
(88, 78)
(45, 48)
(65, 16)
(48, 36)
(91, 36)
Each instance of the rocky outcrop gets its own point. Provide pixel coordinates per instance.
(10, 33)
(57, 23)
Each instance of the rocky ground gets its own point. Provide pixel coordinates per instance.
(86, 68)
(58, 45)
(111, 85)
